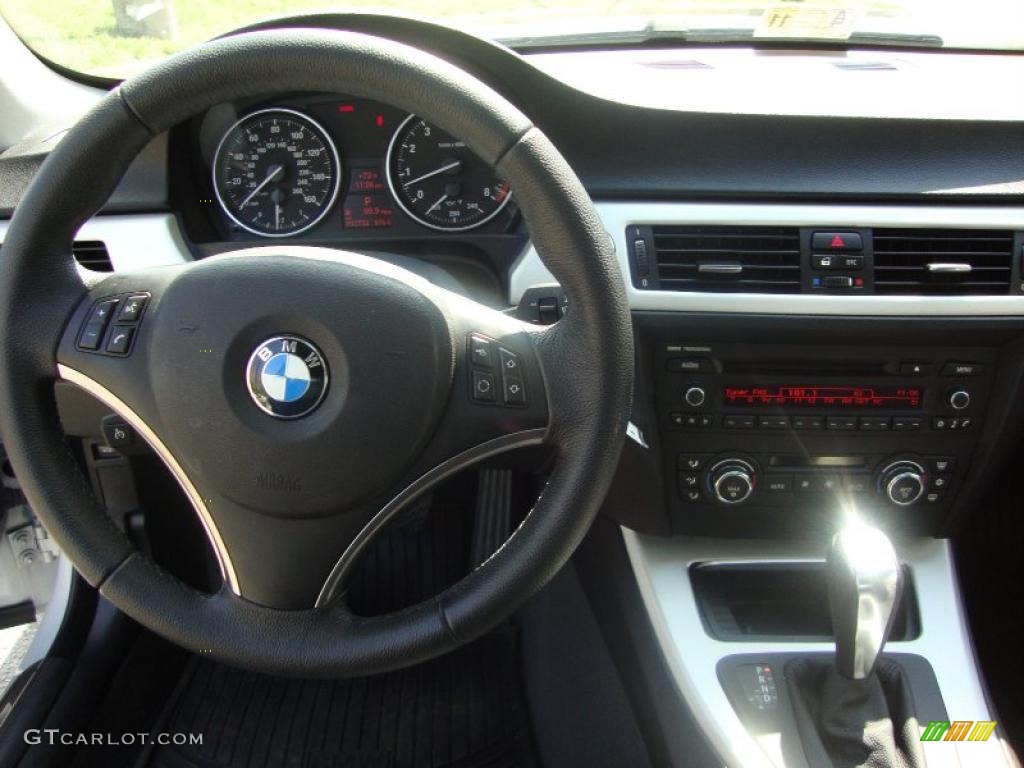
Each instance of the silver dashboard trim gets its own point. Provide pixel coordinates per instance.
(134, 241)
(661, 567)
(617, 216)
(112, 401)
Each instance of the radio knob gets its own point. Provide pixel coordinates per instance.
(959, 399)
(903, 482)
(695, 397)
(732, 481)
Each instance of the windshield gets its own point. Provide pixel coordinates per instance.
(116, 37)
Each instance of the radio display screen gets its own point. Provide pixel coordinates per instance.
(828, 396)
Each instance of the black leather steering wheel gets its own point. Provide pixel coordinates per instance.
(288, 503)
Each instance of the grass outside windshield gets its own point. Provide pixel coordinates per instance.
(116, 37)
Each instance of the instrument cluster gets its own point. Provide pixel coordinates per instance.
(324, 163)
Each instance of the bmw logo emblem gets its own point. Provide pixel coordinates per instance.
(286, 376)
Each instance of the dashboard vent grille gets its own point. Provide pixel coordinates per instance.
(942, 261)
(92, 254)
(728, 259)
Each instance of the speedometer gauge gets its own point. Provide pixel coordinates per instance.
(276, 172)
(438, 180)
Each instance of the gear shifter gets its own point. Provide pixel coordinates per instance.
(864, 586)
(848, 712)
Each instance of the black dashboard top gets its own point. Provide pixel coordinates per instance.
(627, 152)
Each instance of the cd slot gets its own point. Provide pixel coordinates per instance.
(806, 367)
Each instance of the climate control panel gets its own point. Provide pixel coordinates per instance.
(734, 479)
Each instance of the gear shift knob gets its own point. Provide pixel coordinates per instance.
(864, 585)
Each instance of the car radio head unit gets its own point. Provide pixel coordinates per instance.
(839, 396)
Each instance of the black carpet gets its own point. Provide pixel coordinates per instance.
(464, 710)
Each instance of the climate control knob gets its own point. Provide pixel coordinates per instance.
(732, 481)
(903, 482)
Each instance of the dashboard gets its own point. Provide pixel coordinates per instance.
(837, 249)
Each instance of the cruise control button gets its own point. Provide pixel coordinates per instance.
(481, 351)
(120, 339)
(101, 313)
(515, 392)
(132, 309)
(91, 336)
(117, 432)
(837, 241)
(483, 387)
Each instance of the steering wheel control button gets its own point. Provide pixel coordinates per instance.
(287, 377)
(91, 337)
(132, 308)
(483, 387)
(514, 391)
(120, 340)
(102, 312)
(481, 351)
(493, 367)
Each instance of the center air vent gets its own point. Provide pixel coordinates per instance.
(942, 261)
(730, 259)
(92, 254)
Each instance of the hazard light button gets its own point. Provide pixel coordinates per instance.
(837, 241)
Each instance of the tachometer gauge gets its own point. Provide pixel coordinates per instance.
(438, 180)
(276, 172)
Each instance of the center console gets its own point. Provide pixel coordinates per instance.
(769, 431)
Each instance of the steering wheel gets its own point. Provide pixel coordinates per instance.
(301, 396)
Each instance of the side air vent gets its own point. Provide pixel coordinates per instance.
(92, 254)
(942, 261)
(727, 259)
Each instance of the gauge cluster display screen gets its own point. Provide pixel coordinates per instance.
(830, 396)
(281, 170)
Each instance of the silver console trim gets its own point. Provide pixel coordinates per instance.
(661, 566)
(617, 216)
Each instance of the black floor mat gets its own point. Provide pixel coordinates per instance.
(464, 710)
(461, 711)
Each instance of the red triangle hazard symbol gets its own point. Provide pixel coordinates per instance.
(837, 242)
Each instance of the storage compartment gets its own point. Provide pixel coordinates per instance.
(779, 601)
